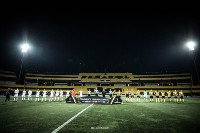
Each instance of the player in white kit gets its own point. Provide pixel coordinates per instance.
(67, 93)
(81, 93)
(37, 95)
(145, 95)
(57, 95)
(23, 95)
(89, 92)
(44, 95)
(119, 93)
(51, 95)
(61, 95)
(16, 95)
(29, 95)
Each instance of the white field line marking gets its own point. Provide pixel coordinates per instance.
(67, 122)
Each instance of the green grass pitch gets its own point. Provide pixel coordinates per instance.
(133, 117)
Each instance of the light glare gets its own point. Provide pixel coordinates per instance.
(191, 45)
(24, 48)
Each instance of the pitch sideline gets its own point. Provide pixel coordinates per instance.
(71, 119)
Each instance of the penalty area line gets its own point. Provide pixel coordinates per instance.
(71, 119)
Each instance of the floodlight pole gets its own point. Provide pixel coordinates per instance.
(191, 47)
(195, 65)
(24, 49)
(22, 61)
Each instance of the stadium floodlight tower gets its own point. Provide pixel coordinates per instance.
(191, 45)
(24, 49)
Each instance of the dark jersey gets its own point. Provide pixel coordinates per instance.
(7, 93)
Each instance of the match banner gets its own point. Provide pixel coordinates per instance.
(71, 99)
(94, 99)
(115, 100)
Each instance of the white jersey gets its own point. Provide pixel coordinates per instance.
(57, 93)
(23, 93)
(61, 93)
(119, 93)
(52, 93)
(67, 93)
(37, 93)
(81, 93)
(145, 93)
(44, 93)
(29, 93)
(96, 91)
(16, 92)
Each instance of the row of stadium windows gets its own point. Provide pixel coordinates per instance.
(107, 84)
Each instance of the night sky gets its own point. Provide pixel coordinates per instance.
(74, 40)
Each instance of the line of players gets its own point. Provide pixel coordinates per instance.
(53, 95)
(96, 91)
(178, 96)
(58, 95)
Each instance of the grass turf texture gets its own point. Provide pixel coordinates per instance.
(44, 117)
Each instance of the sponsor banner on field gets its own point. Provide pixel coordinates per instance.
(93, 99)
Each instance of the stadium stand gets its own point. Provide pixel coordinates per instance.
(114, 81)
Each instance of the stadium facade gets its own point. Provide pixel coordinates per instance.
(101, 81)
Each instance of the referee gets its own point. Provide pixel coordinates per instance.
(7, 95)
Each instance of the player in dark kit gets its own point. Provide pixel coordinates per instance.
(163, 96)
(157, 96)
(175, 96)
(169, 95)
(151, 95)
(89, 92)
(138, 95)
(7, 95)
(127, 95)
(103, 93)
(132, 95)
(181, 95)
